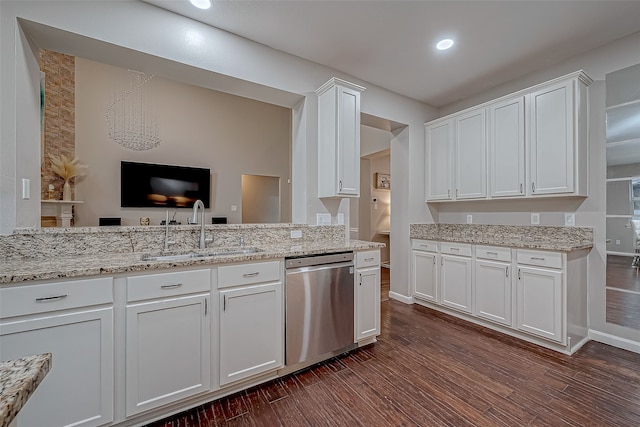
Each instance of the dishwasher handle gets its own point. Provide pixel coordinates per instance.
(318, 267)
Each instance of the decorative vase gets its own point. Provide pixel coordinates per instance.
(66, 191)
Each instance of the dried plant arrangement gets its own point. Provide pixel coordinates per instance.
(67, 167)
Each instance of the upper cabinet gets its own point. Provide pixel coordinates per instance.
(339, 139)
(536, 139)
(456, 156)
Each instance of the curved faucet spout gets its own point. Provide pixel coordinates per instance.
(194, 220)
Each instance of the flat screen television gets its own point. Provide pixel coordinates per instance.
(144, 185)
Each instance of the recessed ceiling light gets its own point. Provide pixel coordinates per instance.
(201, 4)
(444, 44)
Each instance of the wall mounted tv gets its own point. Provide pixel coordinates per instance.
(145, 185)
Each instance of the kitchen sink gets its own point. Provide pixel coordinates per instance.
(199, 255)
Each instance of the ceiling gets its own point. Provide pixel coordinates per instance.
(391, 43)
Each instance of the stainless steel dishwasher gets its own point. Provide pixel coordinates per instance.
(319, 308)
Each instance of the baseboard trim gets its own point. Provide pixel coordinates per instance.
(399, 297)
(615, 341)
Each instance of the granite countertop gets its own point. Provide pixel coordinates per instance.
(19, 378)
(24, 270)
(561, 239)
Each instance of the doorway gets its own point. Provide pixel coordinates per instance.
(260, 199)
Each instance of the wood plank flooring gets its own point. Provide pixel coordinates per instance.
(623, 292)
(430, 369)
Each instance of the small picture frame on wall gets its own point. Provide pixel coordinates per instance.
(383, 181)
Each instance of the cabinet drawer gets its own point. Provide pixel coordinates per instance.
(32, 299)
(168, 284)
(424, 245)
(462, 249)
(540, 258)
(246, 274)
(367, 259)
(494, 253)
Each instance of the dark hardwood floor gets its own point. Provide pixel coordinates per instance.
(623, 292)
(385, 283)
(430, 369)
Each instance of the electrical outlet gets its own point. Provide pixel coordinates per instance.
(234, 208)
(323, 219)
(617, 242)
(469, 219)
(535, 218)
(569, 219)
(296, 234)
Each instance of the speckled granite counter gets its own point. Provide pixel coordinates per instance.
(19, 378)
(563, 239)
(55, 253)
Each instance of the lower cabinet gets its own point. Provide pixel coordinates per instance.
(168, 338)
(367, 295)
(540, 302)
(251, 331)
(424, 275)
(73, 321)
(493, 291)
(168, 351)
(251, 320)
(455, 279)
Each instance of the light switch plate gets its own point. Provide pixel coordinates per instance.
(469, 219)
(26, 188)
(569, 219)
(234, 208)
(535, 218)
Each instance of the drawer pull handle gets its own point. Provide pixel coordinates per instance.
(455, 249)
(47, 299)
(537, 258)
(422, 245)
(492, 253)
(254, 274)
(177, 285)
(369, 259)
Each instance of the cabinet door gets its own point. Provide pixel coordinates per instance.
(551, 147)
(493, 291)
(455, 282)
(251, 331)
(471, 155)
(78, 390)
(424, 275)
(367, 303)
(168, 351)
(348, 150)
(540, 302)
(506, 142)
(439, 160)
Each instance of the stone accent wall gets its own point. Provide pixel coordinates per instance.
(59, 115)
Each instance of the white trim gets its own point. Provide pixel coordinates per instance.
(399, 297)
(615, 341)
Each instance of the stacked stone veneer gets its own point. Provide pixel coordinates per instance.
(522, 236)
(59, 115)
(88, 241)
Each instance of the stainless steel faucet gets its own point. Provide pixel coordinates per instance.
(194, 220)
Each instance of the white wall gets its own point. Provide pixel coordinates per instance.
(590, 213)
(199, 127)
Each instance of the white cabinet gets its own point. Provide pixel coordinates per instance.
(251, 320)
(507, 148)
(339, 139)
(537, 145)
(455, 276)
(168, 338)
(439, 159)
(493, 290)
(424, 270)
(367, 295)
(541, 294)
(551, 147)
(470, 155)
(78, 390)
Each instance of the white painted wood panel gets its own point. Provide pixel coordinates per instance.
(471, 155)
(507, 148)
